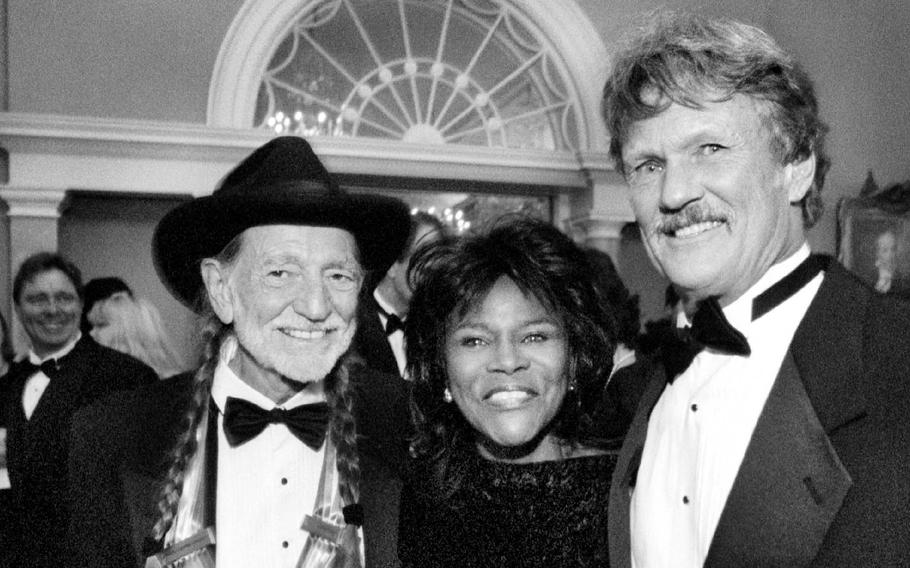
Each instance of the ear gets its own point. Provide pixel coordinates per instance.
(799, 178)
(215, 277)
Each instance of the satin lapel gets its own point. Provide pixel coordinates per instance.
(789, 487)
(828, 348)
(627, 470)
(792, 483)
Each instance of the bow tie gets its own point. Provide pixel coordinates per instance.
(711, 330)
(244, 420)
(393, 323)
(51, 368)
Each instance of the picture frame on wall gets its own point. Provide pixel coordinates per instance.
(874, 236)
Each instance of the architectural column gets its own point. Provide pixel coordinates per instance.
(601, 210)
(31, 218)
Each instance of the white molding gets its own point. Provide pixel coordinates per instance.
(67, 152)
(584, 53)
(25, 202)
(243, 57)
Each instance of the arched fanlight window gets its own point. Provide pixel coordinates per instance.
(476, 72)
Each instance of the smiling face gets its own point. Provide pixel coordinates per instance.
(291, 295)
(715, 206)
(507, 361)
(49, 309)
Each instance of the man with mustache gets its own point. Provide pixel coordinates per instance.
(279, 451)
(777, 432)
(64, 371)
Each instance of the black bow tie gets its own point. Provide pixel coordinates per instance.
(51, 368)
(244, 420)
(393, 323)
(711, 330)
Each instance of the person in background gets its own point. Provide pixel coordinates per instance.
(98, 289)
(279, 444)
(380, 332)
(133, 326)
(509, 344)
(628, 377)
(776, 432)
(64, 371)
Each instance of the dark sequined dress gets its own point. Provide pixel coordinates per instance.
(544, 514)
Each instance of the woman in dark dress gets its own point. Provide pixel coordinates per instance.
(509, 344)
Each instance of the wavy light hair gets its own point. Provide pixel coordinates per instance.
(134, 326)
(688, 59)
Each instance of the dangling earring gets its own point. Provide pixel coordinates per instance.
(447, 395)
(572, 384)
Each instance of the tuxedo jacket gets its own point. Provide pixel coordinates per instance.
(370, 341)
(37, 448)
(122, 456)
(825, 480)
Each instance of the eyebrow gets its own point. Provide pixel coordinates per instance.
(472, 323)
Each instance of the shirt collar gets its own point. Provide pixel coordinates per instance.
(384, 307)
(226, 384)
(35, 360)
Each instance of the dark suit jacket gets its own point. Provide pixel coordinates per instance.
(826, 477)
(37, 448)
(121, 458)
(370, 341)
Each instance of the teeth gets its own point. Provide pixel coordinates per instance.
(697, 228)
(302, 334)
(509, 398)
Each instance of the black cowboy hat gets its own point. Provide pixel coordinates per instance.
(281, 183)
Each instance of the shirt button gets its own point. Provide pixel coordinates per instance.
(284, 544)
(685, 499)
(694, 408)
(284, 480)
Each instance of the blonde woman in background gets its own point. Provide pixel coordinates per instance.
(133, 325)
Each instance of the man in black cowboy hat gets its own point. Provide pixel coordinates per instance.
(280, 444)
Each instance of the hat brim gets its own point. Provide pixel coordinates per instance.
(201, 228)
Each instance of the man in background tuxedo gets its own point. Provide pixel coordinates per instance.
(64, 371)
(777, 434)
(380, 335)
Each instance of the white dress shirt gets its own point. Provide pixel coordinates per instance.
(265, 486)
(701, 426)
(396, 338)
(37, 383)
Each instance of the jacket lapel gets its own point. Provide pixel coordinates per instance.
(627, 470)
(792, 483)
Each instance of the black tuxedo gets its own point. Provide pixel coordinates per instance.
(370, 341)
(825, 480)
(37, 448)
(122, 457)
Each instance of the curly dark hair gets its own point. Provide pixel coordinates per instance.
(455, 276)
(690, 59)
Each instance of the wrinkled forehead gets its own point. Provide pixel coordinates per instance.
(307, 244)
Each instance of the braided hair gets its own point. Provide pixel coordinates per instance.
(339, 395)
(214, 333)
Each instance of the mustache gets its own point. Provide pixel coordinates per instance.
(691, 215)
